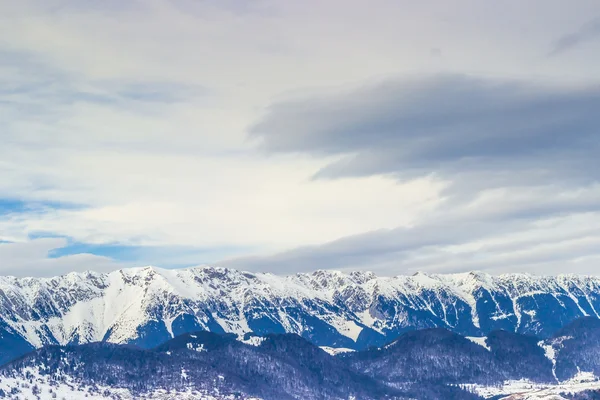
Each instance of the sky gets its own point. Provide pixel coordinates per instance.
(281, 136)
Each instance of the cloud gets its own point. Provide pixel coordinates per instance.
(586, 33)
(268, 208)
(446, 125)
(158, 163)
(514, 154)
(144, 129)
(552, 245)
(31, 258)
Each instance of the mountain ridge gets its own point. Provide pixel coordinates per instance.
(146, 306)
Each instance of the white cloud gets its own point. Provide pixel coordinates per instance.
(31, 258)
(179, 201)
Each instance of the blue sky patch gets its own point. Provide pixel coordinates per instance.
(160, 256)
(17, 206)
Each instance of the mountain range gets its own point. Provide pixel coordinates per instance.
(148, 306)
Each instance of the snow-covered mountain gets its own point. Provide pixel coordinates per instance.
(148, 306)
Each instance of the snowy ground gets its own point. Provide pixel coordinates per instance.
(33, 386)
(525, 390)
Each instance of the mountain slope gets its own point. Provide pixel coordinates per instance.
(576, 348)
(425, 364)
(433, 355)
(148, 306)
(282, 367)
(438, 355)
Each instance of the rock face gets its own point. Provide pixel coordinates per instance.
(148, 306)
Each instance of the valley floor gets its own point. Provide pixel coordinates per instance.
(526, 390)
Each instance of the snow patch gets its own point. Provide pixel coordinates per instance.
(334, 351)
(550, 354)
(195, 347)
(481, 341)
(253, 340)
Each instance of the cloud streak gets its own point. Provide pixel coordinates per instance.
(586, 33)
(446, 125)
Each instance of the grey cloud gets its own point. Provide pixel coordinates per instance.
(587, 32)
(35, 86)
(435, 52)
(41, 105)
(447, 125)
(426, 248)
(236, 7)
(161, 92)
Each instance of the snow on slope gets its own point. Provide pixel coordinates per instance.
(481, 341)
(335, 351)
(86, 307)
